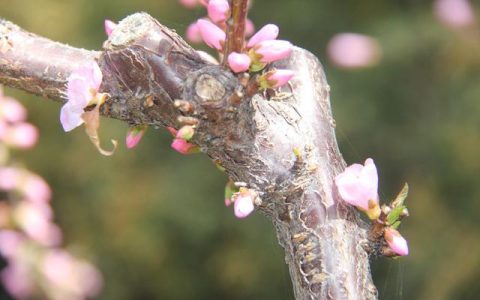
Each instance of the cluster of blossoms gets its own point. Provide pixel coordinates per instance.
(358, 186)
(262, 48)
(37, 267)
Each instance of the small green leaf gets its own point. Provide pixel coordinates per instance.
(394, 215)
(395, 225)
(230, 189)
(401, 196)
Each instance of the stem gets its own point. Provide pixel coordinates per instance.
(235, 28)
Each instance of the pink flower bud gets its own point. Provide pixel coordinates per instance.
(358, 184)
(353, 50)
(211, 34)
(249, 27)
(239, 62)
(185, 133)
(172, 131)
(273, 50)
(278, 77)
(267, 32)
(109, 27)
(10, 178)
(396, 242)
(134, 136)
(218, 10)
(193, 33)
(22, 135)
(10, 242)
(184, 147)
(17, 280)
(35, 188)
(11, 110)
(190, 3)
(455, 13)
(243, 205)
(228, 202)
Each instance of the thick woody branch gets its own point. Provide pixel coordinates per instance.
(147, 67)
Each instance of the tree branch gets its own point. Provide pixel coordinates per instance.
(235, 28)
(147, 66)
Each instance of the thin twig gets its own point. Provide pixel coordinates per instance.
(235, 28)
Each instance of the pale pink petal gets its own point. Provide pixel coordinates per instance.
(109, 26)
(70, 118)
(189, 3)
(10, 178)
(211, 34)
(36, 189)
(396, 242)
(239, 62)
(218, 10)
(243, 206)
(353, 50)
(358, 184)
(134, 136)
(455, 13)
(267, 32)
(10, 243)
(273, 50)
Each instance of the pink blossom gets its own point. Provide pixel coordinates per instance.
(243, 205)
(273, 50)
(82, 90)
(218, 10)
(455, 13)
(35, 220)
(396, 242)
(3, 129)
(11, 110)
(267, 32)
(239, 62)
(279, 77)
(134, 136)
(353, 50)
(185, 133)
(109, 26)
(228, 202)
(190, 3)
(9, 178)
(184, 147)
(36, 189)
(10, 243)
(211, 34)
(358, 184)
(249, 27)
(193, 33)
(16, 278)
(75, 278)
(22, 135)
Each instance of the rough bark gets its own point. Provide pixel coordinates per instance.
(147, 67)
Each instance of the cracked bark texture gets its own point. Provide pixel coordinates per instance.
(146, 67)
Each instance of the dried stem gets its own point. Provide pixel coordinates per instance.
(235, 28)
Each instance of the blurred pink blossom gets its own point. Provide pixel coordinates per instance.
(396, 242)
(192, 3)
(218, 10)
(358, 185)
(193, 33)
(82, 90)
(35, 188)
(10, 242)
(249, 27)
(353, 50)
(134, 136)
(16, 278)
(21, 135)
(35, 220)
(11, 110)
(9, 178)
(454, 13)
(76, 279)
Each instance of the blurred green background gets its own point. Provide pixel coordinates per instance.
(154, 221)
